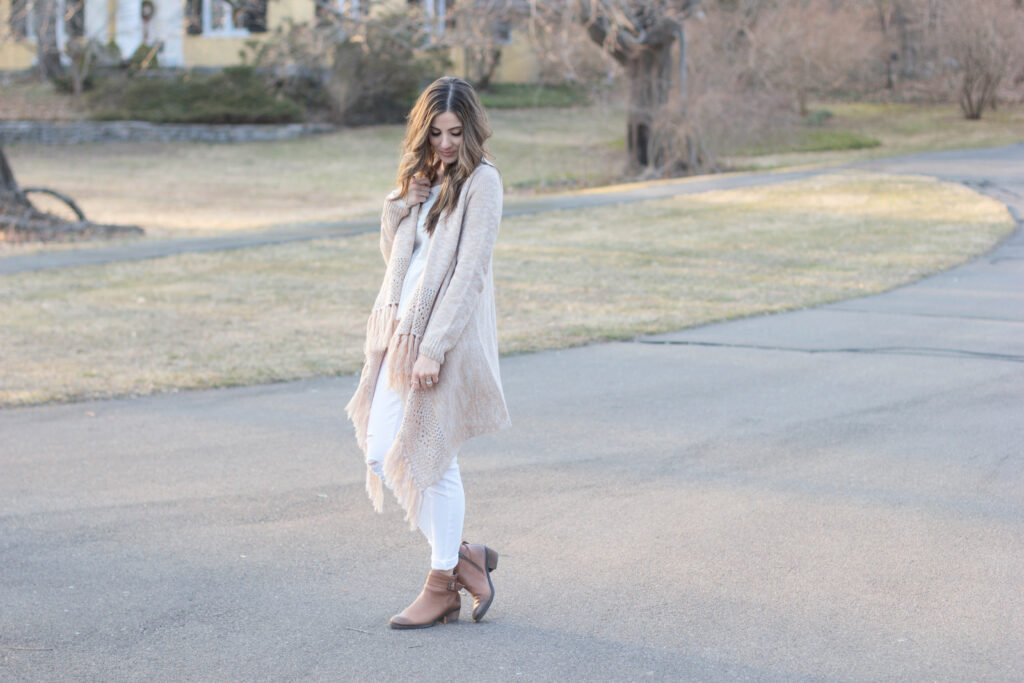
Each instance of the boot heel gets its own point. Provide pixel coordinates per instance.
(492, 559)
(450, 617)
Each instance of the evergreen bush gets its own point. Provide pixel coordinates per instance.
(233, 95)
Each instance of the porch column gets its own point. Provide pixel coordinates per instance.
(170, 28)
(128, 34)
(96, 27)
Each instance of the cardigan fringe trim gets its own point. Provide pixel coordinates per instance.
(398, 474)
(397, 469)
(402, 353)
(375, 490)
(358, 407)
(380, 327)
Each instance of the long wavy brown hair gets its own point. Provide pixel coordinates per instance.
(447, 94)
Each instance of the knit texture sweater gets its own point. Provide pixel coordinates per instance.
(456, 327)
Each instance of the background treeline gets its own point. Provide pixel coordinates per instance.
(700, 78)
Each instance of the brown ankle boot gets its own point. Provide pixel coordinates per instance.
(476, 562)
(437, 603)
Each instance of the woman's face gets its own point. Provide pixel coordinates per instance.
(446, 136)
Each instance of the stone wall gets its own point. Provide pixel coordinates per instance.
(85, 132)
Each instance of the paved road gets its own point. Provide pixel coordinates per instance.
(834, 494)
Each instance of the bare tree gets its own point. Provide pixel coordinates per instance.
(728, 103)
(83, 54)
(980, 43)
(45, 15)
(565, 53)
(38, 21)
(481, 29)
(641, 36)
(807, 46)
(20, 220)
(751, 51)
(901, 26)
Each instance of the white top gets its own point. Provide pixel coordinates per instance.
(419, 253)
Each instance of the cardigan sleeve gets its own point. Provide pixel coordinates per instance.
(472, 266)
(395, 209)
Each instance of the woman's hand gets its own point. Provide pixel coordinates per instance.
(424, 372)
(419, 190)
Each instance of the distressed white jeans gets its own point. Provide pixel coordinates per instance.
(444, 504)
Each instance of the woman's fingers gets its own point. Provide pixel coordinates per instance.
(423, 380)
(421, 187)
(425, 372)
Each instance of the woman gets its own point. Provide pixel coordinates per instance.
(431, 380)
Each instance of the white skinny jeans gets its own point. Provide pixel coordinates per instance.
(444, 504)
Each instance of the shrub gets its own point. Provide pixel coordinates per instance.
(64, 84)
(292, 59)
(351, 72)
(377, 79)
(144, 57)
(234, 95)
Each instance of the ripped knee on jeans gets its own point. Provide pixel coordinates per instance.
(377, 467)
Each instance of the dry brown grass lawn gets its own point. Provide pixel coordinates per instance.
(903, 129)
(34, 100)
(200, 189)
(284, 312)
(178, 189)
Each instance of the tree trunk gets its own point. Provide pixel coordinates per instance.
(644, 49)
(8, 186)
(487, 61)
(47, 51)
(650, 84)
(682, 62)
(801, 101)
(14, 207)
(908, 43)
(977, 90)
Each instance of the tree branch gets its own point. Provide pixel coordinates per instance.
(63, 197)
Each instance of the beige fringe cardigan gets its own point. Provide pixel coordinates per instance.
(460, 333)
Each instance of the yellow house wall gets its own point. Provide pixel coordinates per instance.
(213, 51)
(518, 64)
(206, 50)
(15, 55)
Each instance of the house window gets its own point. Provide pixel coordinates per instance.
(22, 21)
(220, 18)
(327, 10)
